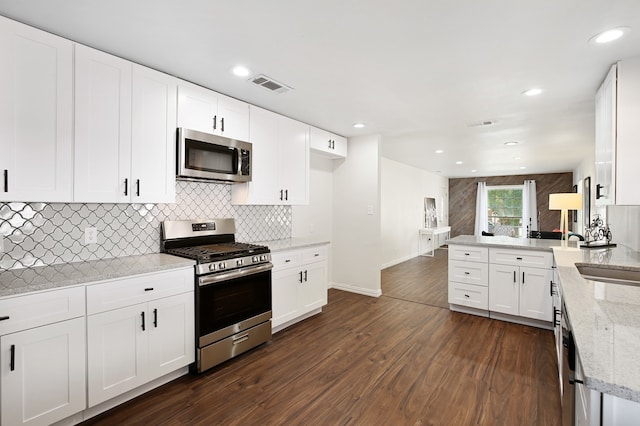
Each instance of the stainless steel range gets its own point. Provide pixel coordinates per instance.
(232, 287)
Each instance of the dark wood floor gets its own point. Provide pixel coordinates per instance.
(370, 361)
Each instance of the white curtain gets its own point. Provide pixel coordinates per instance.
(529, 207)
(482, 209)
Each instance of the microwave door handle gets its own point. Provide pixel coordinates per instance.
(239, 165)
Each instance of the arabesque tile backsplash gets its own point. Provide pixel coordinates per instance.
(37, 234)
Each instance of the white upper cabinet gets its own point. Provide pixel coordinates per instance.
(207, 111)
(102, 127)
(36, 115)
(617, 129)
(125, 131)
(327, 144)
(280, 161)
(153, 140)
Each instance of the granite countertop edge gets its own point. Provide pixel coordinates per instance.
(293, 243)
(15, 282)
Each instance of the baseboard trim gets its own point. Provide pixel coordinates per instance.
(521, 320)
(398, 261)
(357, 290)
(468, 310)
(296, 320)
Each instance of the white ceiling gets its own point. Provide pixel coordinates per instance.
(416, 71)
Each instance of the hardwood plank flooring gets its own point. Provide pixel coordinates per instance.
(422, 279)
(370, 361)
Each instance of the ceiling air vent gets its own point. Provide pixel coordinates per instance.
(270, 84)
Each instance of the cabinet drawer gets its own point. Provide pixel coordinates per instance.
(474, 296)
(118, 293)
(532, 258)
(286, 259)
(314, 254)
(476, 273)
(473, 253)
(38, 309)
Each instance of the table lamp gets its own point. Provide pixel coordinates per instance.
(564, 202)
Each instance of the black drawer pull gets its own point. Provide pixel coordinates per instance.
(142, 315)
(126, 186)
(4, 318)
(523, 278)
(467, 296)
(148, 289)
(137, 187)
(155, 318)
(13, 357)
(518, 258)
(466, 273)
(467, 254)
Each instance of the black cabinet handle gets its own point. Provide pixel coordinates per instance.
(13, 357)
(300, 276)
(467, 296)
(305, 276)
(126, 186)
(6, 180)
(138, 187)
(222, 124)
(148, 289)
(281, 195)
(4, 318)
(333, 144)
(286, 195)
(550, 288)
(466, 254)
(523, 278)
(514, 276)
(329, 143)
(518, 258)
(215, 118)
(555, 317)
(155, 318)
(598, 194)
(466, 273)
(142, 315)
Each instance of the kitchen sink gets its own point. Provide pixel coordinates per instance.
(610, 275)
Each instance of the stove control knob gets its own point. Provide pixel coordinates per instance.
(255, 259)
(222, 265)
(263, 257)
(239, 262)
(212, 267)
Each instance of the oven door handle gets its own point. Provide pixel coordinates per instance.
(243, 272)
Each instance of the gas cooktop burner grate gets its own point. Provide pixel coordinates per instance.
(209, 252)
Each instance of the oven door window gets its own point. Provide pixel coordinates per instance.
(229, 302)
(209, 157)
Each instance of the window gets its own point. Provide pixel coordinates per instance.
(505, 210)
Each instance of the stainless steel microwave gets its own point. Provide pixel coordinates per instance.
(211, 157)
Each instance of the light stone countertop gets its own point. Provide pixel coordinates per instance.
(26, 280)
(293, 243)
(605, 317)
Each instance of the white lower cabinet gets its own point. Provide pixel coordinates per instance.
(299, 284)
(42, 357)
(520, 291)
(468, 278)
(136, 343)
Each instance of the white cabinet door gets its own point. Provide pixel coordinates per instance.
(171, 333)
(535, 294)
(117, 350)
(605, 183)
(293, 138)
(210, 112)
(234, 118)
(44, 380)
(153, 164)
(627, 147)
(327, 144)
(285, 296)
(313, 289)
(102, 158)
(503, 289)
(36, 115)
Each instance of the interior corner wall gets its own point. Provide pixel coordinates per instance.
(462, 198)
(402, 194)
(355, 241)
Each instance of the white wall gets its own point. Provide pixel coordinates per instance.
(355, 242)
(315, 219)
(403, 189)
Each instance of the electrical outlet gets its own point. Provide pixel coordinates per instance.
(90, 235)
(369, 209)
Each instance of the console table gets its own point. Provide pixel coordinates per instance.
(431, 233)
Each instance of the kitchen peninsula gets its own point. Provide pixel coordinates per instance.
(602, 316)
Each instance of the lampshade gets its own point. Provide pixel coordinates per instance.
(565, 201)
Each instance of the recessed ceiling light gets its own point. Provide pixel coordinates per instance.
(240, 71)
(359, 125)
(516, 158)
(473, 170)
(511, 143)
(458, 162)
(522, 167)
(439, 151)
(609, 35)
(532, 92)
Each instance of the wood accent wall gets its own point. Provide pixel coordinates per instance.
(462, 198)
